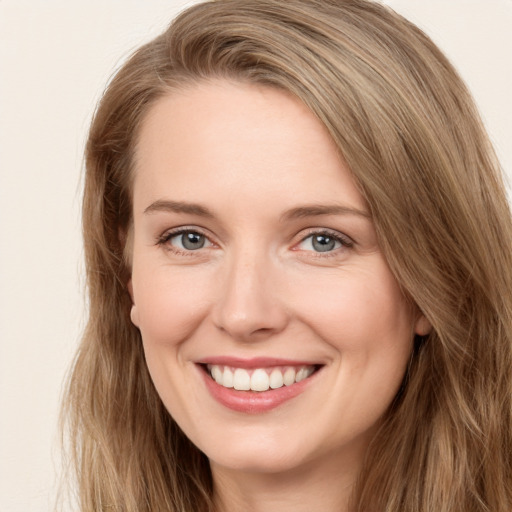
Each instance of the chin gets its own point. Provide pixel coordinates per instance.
(255, 452)
(257, 460)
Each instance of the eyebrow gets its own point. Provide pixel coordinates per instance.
(178, 207)
(315, 210)
(320, 209)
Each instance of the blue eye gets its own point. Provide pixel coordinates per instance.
(323, 242)
(188, 240)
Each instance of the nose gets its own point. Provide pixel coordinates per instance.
(251, 304)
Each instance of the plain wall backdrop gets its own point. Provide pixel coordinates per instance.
(55, 59)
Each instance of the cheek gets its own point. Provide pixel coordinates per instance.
(350, 305)
(369, 327)
(170, 303)
(366, 321)
(170, 306)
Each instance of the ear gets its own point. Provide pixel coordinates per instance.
(134, 314)
(422, 327)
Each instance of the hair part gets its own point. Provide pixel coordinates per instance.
(409, 131)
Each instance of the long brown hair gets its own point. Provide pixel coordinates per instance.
(407, 127)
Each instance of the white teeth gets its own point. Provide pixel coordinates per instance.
(241, 380)
(260, 379)
(217, 374)
(289, 377)
(228, 378)
(276, 379)
(301, 375)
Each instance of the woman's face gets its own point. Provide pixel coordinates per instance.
(255, 260)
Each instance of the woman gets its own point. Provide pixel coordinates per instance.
(298, 249)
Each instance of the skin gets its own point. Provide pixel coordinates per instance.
(251, 156)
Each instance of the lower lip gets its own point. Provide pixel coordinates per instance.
(254, 402)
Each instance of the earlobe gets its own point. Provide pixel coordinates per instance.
(134, 315)
(422, 326)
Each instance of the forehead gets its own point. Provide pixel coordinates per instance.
(241, 138)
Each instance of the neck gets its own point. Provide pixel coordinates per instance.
(324, 485)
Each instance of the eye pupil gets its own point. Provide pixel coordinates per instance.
(192, 241)
(323, 243)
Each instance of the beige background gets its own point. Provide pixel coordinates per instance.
(55, 58)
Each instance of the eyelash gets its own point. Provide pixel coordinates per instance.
(164, 239)
(344, 241)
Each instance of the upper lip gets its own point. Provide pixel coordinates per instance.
(255, 362)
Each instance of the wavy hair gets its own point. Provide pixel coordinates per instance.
(409, 131)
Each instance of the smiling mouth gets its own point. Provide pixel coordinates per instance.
(259, 379)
